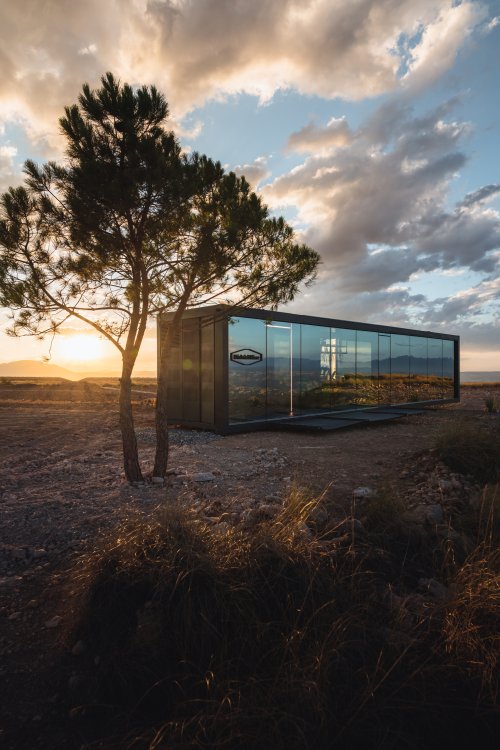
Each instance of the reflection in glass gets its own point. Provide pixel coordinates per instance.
(448, 369)
(435, 368)
(384, 368)
(400, 368)
(279, 369)
(418, 389)
(344, 368)
(316, 365)
(366, 367)
(296, 367)
(247, 369)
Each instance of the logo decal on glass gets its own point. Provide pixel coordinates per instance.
(245, 357)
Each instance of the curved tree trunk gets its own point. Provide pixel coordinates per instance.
(130, 453)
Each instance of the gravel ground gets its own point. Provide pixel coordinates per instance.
(177, 436)
(62, 486)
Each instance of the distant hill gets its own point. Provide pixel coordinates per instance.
(480, 377)
(29, 368)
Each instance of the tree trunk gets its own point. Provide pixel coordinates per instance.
(130, 454)
(172, 330)
(161, 454)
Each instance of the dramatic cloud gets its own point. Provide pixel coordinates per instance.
(373, 199)
(377, 207)
(210, 48)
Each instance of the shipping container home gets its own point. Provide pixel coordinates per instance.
(232, 369)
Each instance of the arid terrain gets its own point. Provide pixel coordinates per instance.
(62, 485)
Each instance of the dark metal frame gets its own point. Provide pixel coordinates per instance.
(219, 315)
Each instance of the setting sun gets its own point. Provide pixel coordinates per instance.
(81, 348)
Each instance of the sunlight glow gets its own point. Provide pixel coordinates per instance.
(81, 348)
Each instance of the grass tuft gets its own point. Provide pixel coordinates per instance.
(492, 405)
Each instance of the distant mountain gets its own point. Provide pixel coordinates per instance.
(29, 368)
(480, 377)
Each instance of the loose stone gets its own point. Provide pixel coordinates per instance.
(362, 492)
(203, 476)
(78, 648)
(53, 622)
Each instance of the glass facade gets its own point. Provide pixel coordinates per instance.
(283, 368)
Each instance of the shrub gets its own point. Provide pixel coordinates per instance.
(469, 448)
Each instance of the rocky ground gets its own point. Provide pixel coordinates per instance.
(61, 486)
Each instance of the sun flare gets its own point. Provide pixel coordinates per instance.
(81, 348)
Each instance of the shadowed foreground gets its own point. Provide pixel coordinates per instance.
(382, 635)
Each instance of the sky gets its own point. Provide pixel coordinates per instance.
(373, 126)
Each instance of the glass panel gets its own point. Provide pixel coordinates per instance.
(315, 379)
(283, 368)
(366, 367)
(278, 369)
(448, 369)
(435, 368)
(400, 368)
(296, 368)
(419, 390)
(247, 369)
(384, 368)
(343, 367)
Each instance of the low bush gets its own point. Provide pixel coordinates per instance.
(275, 638)
(492, 405)
(471, 449)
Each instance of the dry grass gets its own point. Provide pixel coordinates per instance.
(471, 448)
(281, 639)
(492, 405)
(486, 384)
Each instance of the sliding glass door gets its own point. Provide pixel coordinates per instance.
(279, 369)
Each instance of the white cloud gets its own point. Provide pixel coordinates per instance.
(255, 172)
(9, 174)
(312, 138)
(213, 48)
(441, 40)
(90, 50)
(186, 132)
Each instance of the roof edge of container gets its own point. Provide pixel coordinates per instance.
(246, 312)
